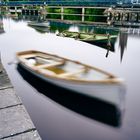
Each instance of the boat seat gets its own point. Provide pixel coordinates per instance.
(50, 65)
(28, 56)
(67, 74)
(47, 72)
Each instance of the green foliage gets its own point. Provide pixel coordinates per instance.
(53, 10)
(54, 16)
(92, 11)
(72, 17)
(73, 10)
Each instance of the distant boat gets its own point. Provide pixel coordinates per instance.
(73, 75)
(39, 23)
(88, 37)
(40, 29)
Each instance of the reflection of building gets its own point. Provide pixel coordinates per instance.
(122, 42)
(135, 1)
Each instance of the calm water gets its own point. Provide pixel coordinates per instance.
(64, 115)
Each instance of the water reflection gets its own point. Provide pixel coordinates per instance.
(58, 27)
(61, 26)
(134, 32)
(1, 27)
(53, 122)
(108, 44)
(90, 107)
(122, 43)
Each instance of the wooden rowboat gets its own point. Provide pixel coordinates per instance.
(73, 75)
(89, 37)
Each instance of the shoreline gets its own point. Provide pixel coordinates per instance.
(15, 122)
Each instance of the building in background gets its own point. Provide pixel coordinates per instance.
(135, 1)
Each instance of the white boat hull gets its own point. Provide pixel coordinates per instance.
(110, 93)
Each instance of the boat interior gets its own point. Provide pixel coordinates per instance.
(50, 65)
(86, 36)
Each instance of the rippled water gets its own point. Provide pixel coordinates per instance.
(64, 115)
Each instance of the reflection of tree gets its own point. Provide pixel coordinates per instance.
(122, 42)
(1, 27)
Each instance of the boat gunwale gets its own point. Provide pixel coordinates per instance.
(113, 79)
(38, 24)
(89, 34)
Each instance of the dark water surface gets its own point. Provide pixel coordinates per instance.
(64, 115)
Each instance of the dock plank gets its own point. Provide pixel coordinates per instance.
(8, 98)
(14, 120)
(33, 135)
(4, 80)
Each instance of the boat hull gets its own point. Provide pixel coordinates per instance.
(39, 24)
(110, 93)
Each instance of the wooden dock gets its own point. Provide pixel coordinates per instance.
(15, 123)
